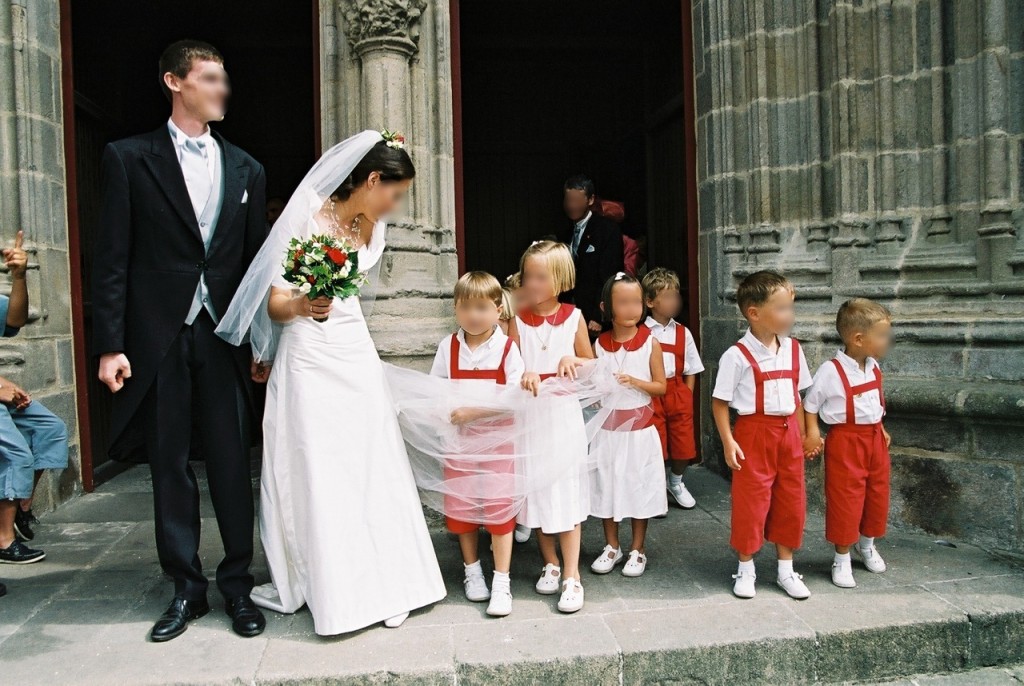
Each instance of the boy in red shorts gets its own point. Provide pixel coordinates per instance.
(761, 377)
(847, 395)
(673, 413)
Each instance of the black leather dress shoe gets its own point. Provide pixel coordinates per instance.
(175, 619)
(246, 618)
(23, 524)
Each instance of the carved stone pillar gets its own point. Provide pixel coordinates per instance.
(385, 64)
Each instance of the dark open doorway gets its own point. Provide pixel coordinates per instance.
(550, 89)
(271, 54)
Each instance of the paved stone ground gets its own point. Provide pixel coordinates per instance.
(82, 615)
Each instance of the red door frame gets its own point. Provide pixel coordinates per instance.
(82, 368)
(690, 161)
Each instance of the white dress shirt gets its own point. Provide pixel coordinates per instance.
(692, 363)
(827, 396)
(206, 210)
(735, 381)
(577, 233)
(486, 356)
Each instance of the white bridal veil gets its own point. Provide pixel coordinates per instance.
(247, 314)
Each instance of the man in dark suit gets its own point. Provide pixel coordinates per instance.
(596, 245)
(182, 217)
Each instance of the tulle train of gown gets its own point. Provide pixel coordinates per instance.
(340, 517)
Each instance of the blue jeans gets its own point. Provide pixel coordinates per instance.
(30, 440)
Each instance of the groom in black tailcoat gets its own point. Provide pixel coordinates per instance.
(182, 217)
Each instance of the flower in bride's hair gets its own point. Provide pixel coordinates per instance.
(393, 139)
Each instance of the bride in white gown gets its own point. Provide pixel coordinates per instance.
(340, 517)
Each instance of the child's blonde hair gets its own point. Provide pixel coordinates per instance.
(559, 261)
(514, 281)
(857, 315)
(472, 285)
(657, 280)
(508, 308)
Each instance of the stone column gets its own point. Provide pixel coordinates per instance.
(32, 198)
(386, 66)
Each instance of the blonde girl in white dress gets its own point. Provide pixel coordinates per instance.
(629, 479)
(553, 340)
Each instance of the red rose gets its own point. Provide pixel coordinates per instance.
(337, 256)
(299, 253)
(311, 279)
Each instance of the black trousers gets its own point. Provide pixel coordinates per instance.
(200, 373)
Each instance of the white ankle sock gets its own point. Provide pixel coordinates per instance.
(866, 542)
(474, 569)
(785, 568)
(675, 479)
(502, 581)
(747, 566)
(842, 557)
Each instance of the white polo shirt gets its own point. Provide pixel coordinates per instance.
(827, 397)
(668, 334)
(487, 356)
(735, 381)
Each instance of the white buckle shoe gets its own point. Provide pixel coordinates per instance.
(873, 562)
(572, 596)
(635, 565)
(682, 496)
(396, 621)
(842, 574)
(550, 578)
(607, 560)
(794, 586)
(476, 588)
(743, 586)
(501, 603)
(522, 533)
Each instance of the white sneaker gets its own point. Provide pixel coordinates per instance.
(550, 577)
(607, 560)
(743, 587)
(572, 596)
(842, 574)
(501, 603)
(476, 588)
(682, 496)
(396, 621)
(794, 586)
(871, 559)
(522, 533)
(635, 565)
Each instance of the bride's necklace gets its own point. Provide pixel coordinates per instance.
(339, 228)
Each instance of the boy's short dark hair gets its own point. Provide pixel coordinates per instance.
(606, 293)
(657, 280)
(580, 182)
(757, 288)
(178, 57)
(857, 315)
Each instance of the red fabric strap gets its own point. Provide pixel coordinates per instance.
(496, 375)
(760, 377)
(853, 391)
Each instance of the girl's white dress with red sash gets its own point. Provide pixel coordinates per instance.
(629, 475)
(556, 429)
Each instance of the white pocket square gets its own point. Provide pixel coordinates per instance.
(590, 248)
(245, 197)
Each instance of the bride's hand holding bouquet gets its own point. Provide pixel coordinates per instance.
(322, 267)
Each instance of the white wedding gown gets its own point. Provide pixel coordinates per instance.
(340, 516)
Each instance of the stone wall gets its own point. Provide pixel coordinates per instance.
(388, 64)
(875, 148)
(32, 197)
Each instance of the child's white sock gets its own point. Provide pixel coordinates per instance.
(866, 542)
(502, 581)
(841, 557)
(473, 569)
(675, 479)
(747, 566)
(785, 568)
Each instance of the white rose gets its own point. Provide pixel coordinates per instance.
(345, 271)
(305, 288)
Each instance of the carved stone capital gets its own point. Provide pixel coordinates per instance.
(375, 24)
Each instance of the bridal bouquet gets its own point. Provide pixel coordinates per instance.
(323, 265)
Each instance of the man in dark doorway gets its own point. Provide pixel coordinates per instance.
(596, 245)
